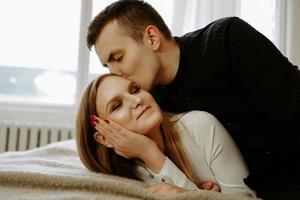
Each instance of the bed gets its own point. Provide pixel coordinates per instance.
(55, 172)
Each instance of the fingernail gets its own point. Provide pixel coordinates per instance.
(95, 120)
(92, 117)
(94, 123)
(106, 121)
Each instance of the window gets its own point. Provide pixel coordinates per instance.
(39, 49)
(44, 58)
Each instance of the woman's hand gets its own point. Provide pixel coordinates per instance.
(166, 189)
(129, 144)
(209, 185)
(125, 143)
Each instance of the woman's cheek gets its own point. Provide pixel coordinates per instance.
(122, 118)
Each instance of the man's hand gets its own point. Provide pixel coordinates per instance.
(166, 189)
(210, 186)
(169, 189)
(131, 145)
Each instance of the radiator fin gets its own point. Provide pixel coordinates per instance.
(20, 137)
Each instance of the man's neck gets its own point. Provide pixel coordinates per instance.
(169, 57)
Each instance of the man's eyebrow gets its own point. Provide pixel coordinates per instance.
(114, 98)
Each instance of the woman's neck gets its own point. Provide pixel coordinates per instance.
(156, 136)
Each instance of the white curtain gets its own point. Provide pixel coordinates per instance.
(288, 29)
(190, 15)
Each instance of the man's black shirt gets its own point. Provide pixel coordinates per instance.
(235, 73)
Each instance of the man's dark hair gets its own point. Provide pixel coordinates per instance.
(132, 15)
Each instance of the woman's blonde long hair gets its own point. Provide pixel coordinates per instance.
(98, 158)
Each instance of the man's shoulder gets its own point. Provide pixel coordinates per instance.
(226, 20)
(220, 26)
(217, 24)
(217, 28)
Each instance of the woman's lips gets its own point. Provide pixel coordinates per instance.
(143, 111)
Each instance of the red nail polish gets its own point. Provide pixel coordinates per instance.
(94, 123)
(94, 119)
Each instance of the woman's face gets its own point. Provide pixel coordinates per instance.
(123, 102)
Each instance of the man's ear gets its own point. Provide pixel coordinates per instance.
(153, 37)
(102, 140)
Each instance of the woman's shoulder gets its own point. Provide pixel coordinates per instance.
(193, 117)
(199, 124)
(198, 128)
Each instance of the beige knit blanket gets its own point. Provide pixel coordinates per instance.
(55, 172)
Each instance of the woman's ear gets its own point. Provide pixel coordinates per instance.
(102, 140)
(153, 37)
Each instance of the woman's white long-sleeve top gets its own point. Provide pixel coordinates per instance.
(211, 153)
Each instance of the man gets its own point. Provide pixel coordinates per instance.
(226, 68)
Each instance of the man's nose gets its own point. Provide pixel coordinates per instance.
(114, 69)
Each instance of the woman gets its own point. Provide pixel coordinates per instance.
(173, 154)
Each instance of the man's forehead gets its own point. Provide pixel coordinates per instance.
(108, 39)
(104, 52)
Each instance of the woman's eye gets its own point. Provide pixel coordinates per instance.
(117, 106)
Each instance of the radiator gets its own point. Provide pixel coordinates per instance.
(20, 137)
